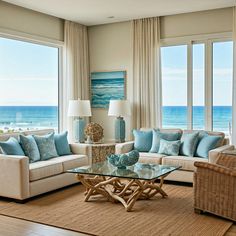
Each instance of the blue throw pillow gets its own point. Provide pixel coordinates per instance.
(158, 135)
(12, 147)
(62, 144)
(46, 146)
(189, 144)
(207, 143)
(30, 147)
(142, 140)
(170, 148)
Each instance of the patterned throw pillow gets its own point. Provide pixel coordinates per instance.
(46, 146)
(142, 140)
(12, 147)
(189, 144)
(170, 148)
(158, 135)
(30, 147)
(62, 144)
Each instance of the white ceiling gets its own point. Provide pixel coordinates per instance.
(94, 12)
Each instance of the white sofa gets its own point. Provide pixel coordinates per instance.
(21, 180)
(185, 174)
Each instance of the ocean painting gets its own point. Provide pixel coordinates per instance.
(106, 86)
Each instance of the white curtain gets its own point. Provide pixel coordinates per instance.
(146, 73)
(233, 138)
(75, 82)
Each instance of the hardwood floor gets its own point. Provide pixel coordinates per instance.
(15, 227)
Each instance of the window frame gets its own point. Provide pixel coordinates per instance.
(189, 41)
(9, 34)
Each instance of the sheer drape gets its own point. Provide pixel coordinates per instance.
(233, 138)
(75, 82)
(146, 73)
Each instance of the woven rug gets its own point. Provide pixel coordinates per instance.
(171, 216)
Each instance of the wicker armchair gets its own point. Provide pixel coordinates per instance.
(215, 186)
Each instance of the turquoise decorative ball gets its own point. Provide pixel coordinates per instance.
(123, 160)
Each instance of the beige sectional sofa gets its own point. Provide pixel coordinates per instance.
(185, 174)
(20, 179)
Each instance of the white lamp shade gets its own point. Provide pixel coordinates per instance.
(79, 108)
(119, 108)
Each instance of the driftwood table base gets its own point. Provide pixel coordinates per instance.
(126, 191)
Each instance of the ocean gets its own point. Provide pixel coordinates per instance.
(28, 117)
(176, 116)
(38, 117)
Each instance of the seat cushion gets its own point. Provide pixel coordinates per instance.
(152, 158)
(70, 161)
(43, 169)
(187, 163)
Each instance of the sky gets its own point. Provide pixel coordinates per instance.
(174, 74)
(28, 74)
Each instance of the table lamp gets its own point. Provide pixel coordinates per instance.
(119, 108)
(79, 109)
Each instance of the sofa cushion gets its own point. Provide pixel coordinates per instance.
(142, 140)
(46, 146)
(206, 144)
(70, 161)
(150, 158)
(170, 148)
(30, 147)
(202, 133)
(158, 135)
(12, 147)
(43, 169)
(62, 144)
(187, 163)
(189, 143)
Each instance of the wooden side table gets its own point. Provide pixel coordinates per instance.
(99, 152)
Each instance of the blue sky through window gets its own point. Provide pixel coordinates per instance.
(28, 74)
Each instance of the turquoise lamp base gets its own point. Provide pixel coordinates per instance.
(79, 125)
(119, 130)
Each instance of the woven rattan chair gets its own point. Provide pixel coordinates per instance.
(215, 186)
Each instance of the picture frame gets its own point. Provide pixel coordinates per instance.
(106, 86)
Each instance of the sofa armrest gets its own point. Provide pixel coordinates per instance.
(214, 154)
(124, 147)
(14, 176)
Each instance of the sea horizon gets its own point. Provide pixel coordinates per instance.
(46, 116)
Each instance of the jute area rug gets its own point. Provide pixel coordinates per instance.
(171, 216)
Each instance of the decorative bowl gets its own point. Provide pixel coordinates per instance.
(121, 161)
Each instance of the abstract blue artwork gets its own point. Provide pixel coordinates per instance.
(106, 86)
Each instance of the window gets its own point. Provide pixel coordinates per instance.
(28, 86)
(174, 86)
(197, 85)
(222, 85)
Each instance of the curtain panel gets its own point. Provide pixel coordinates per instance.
(75, 83)
(146, 73)
(233, 135)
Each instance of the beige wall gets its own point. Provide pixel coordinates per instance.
(23, 20)
(111, 49)
(203, 22)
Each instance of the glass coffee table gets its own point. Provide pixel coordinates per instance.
(123, 185)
